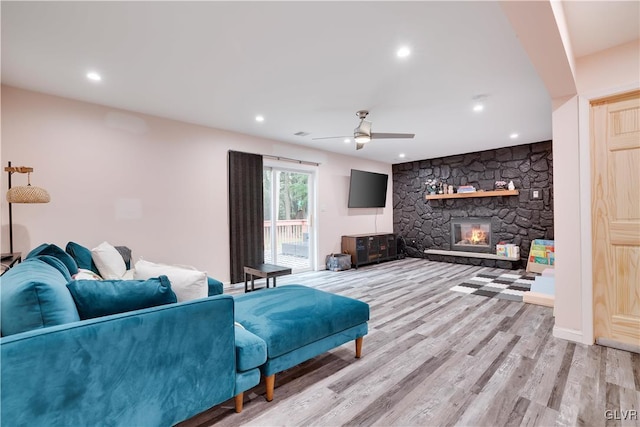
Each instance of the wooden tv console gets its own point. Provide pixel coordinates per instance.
(370, 248)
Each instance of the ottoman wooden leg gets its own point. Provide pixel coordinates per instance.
(239, 402)
(359, 347)
(270, 382)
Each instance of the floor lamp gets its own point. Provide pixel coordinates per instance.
(22, 194)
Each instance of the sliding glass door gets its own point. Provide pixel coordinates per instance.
(288, 207)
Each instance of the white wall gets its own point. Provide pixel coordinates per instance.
(567, 218)
(609, 70)
(605, 73)
(158, 186)
(571, 82)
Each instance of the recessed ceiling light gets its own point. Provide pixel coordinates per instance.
(478, 107)
(402, 155)
(259, 119)
(347, 140)
(403, 52)
(514, 135)
(94, 76)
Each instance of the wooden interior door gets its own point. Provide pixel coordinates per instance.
(615, 208)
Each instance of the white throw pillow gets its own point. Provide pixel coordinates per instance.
(128, 275)
(109, 261)
(187, 282)
(83, 274)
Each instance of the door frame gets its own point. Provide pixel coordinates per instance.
(586, 254)
(312, 170)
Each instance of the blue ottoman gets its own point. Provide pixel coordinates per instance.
(298, 323)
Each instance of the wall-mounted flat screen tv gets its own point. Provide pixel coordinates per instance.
(367, 189)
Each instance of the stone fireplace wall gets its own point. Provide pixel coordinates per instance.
(426, 224)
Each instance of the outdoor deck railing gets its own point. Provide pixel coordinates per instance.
(287, 231)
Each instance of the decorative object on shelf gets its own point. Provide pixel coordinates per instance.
(432, 185)
(441, 188)
(508, 250)
(450, 189)
(466, 189)
(22, 194)
(501, 185)
(511, 185)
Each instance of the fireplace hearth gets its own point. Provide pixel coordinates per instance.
(471, 234)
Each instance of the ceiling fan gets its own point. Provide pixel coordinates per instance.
(362, 134)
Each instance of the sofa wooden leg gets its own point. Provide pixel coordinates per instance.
(359, 347)
(239, 399)
(270, 382)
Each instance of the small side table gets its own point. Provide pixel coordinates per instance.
(9, 260)
(265, 271)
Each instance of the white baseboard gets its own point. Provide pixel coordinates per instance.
(569, 335)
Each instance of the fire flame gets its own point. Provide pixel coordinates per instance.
(477, 236)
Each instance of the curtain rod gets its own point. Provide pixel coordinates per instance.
(286, 159)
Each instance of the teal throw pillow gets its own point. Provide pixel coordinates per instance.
(32, 296)
(55, 263)
(96, 298)
(215, 286)
(82, 256)
(55, 251)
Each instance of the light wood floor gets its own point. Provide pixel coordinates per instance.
(434, 357)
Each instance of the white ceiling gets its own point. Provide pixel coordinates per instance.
(304, 66)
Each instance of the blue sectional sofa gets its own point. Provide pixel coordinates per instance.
(150, 366)
(125, 353)
(297, 323)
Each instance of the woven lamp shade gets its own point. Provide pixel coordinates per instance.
(28, 194)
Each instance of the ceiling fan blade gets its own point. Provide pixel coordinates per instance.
(379, 135)
(359, 145)
(334, 137)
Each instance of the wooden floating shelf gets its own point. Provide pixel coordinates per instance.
(493, 193)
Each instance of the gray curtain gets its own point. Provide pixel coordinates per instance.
(246, 212)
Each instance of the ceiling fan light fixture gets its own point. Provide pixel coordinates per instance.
(362, 134)
(362, 138)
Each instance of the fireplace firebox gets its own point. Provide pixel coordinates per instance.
(471, 234)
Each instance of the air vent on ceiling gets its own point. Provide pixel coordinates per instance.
(301, 133)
